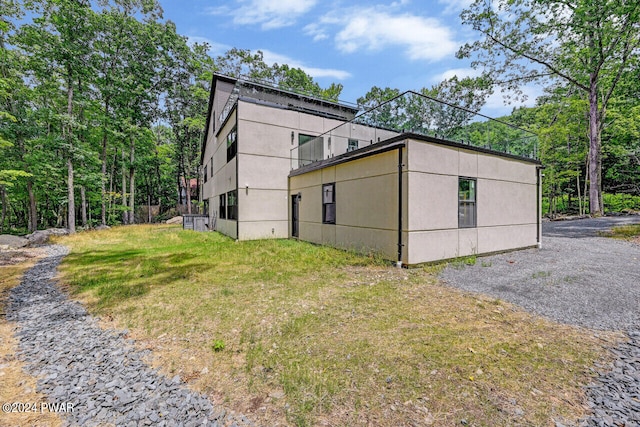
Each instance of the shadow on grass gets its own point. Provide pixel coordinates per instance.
(117, 275)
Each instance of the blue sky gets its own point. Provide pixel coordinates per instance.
(404, 44)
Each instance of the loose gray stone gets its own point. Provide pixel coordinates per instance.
(97, 370)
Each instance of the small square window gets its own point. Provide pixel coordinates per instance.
(352, 145)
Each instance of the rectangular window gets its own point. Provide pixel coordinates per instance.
(232, 204)
(211, 166)
(352, 145)
(232, 144)
(466, 203)
(205, 173)
(329, 203)
(222, 210)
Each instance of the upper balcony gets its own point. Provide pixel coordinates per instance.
(415, 113)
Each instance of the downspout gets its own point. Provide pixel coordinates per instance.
(538, 195)
(400, 166)
(237, 174)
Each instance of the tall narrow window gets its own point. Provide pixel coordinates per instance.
(206, 176)
(232, 144)
(222, 210)
(352, 145)
(329, 203)
(232, 204)
(466, 203)
(211, 166)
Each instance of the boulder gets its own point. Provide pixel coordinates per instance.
(174, 220)
(39, 237)
(8, 241)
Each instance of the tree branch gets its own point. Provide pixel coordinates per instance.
(553, 69)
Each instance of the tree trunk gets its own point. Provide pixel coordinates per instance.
(187, 182)
(33, 211)
(103, 180)
(125, 212)
(83, 198)
(72, 202)
(595, 144)
(3, 193)
(111, 176)
(71, 219)
(132, 184)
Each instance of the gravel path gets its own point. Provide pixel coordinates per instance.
(592, 282)
(97, 375)
(581, 280)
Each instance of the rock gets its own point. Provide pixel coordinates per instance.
(9, 241)
(174, 220)
(39, 237)
(95, 369)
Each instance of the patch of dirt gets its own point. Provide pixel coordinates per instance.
(16, 256)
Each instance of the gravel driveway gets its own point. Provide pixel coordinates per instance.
(583, 280)
(574, 278)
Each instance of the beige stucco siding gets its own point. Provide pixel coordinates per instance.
(227, 227)
(366, 192)
(262, 205)
(505, 202)
(501, 238)
(262, 172)
(433, 201)
(504, 169)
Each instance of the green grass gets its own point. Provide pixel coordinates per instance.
(299, 334)
(626, 232)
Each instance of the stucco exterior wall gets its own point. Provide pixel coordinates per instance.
(366, 194)
(259, 172)
(505, 202)
(367, 203)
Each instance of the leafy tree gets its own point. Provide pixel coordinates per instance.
(587, 45)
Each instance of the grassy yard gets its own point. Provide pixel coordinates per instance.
(625, 232)
(15, 385)
(295, 334)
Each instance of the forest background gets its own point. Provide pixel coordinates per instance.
(103, 104)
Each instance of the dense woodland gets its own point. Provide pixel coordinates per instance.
(103, 103)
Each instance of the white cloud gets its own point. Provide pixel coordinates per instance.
(269, 14)
(461, 73)
(497, 106)
(272, 57)
(455, 6)
(374, 29)
(214, 47)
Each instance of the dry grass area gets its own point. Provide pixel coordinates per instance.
(15, 385)
(625, 232)
(290, 333)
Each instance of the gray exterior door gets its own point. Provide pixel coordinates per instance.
(295, 201)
